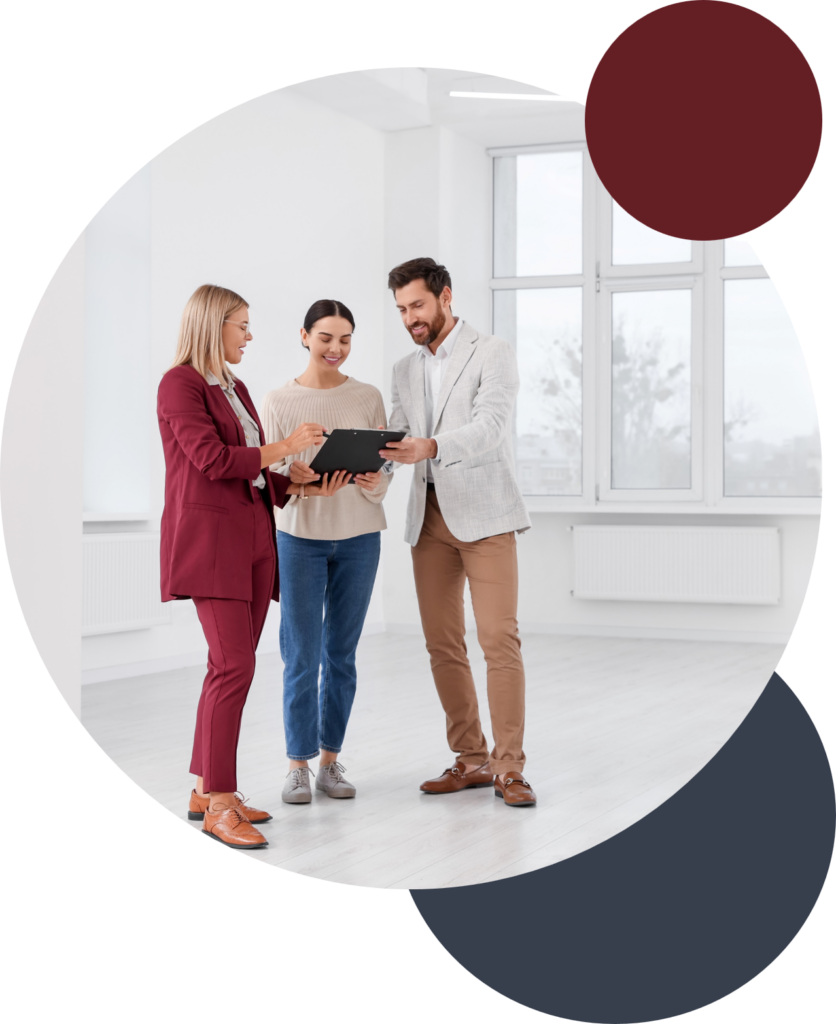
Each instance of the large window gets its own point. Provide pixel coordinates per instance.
(653, 370)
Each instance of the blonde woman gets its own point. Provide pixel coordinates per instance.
(329, 554)
(217, 544)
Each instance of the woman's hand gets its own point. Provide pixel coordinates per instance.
(303, 437)
(294, 444)
(368, 481)
(324, 489)
(301, 473)
(329, 487)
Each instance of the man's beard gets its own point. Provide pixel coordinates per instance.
(434, 328)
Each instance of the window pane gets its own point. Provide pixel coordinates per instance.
(651, 389)
(544, 324)
(738, 253)
(538, 213)
(771, 429)
(634, 242)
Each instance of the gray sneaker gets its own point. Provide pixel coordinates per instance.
(297, 787)
(329, 779)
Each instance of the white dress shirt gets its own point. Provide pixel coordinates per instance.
(435, 366)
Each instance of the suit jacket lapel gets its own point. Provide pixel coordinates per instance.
(247, 402)
(225, 409)
(463, 350)
(418, 393)
(216, 392)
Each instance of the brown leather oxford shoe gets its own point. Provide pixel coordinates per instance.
(515, 791)
(456, 778)
(198, 805)
(229, 826)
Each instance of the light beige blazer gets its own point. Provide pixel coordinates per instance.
(474, 476)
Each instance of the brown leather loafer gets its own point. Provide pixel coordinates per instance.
(515, 791)
(229, 826)
(198, 805)
(453, 779)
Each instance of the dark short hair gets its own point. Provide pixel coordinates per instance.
(326, 307)
(434, 275)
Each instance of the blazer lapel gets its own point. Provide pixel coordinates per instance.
(247, 402)
(418, 393)
(464, 349)
(217, 395)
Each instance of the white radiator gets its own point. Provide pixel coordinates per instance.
(701, 564)
(121, 583)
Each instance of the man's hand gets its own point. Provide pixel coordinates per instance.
(410, 450)
(301, 473)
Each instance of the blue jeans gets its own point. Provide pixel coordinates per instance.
(326, 586)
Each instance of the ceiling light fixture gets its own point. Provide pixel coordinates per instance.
(546, 97)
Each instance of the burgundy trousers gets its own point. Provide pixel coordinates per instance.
(232, 630)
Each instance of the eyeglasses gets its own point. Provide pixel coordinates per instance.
(243, 324)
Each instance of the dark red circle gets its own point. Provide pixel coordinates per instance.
(703, 119)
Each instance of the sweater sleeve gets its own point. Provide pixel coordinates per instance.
(272, 433)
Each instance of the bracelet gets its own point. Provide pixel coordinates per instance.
(302, 492)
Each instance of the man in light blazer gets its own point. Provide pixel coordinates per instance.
(454, 396)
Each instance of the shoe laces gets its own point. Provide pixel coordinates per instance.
(235, 812)
(239, 814)
(335, 770)
(298, 778)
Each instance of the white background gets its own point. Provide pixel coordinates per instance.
(324, 203)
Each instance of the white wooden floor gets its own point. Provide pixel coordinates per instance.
(614, 727)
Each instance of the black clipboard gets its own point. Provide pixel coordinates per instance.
(353, 450)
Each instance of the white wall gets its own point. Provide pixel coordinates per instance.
(42, 475)
(288, 201)
(281, 200)
(546, 606)
(117, 335)
(438, 204)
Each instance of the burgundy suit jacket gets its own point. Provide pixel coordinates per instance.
(206, 532)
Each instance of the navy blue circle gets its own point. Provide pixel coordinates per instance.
(678, 910)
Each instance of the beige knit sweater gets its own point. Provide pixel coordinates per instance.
(351, 511)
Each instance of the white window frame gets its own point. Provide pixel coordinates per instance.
(715, 498)
(706, 275)
(607, 493)
(585, 280)
(607, 269)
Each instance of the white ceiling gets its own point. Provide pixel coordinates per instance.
(395, 99)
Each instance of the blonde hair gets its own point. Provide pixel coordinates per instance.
(200, 342)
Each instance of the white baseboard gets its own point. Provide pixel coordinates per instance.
(410, 628)
(736, 636)
(109, 673)
(189, 659)
(373, 628)
(621, 632)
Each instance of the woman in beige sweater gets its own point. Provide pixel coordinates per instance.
(328, 557)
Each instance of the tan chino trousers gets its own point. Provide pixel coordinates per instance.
(441, 564)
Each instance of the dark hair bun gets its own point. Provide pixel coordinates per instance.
(326, 307)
